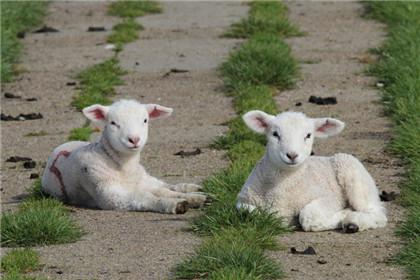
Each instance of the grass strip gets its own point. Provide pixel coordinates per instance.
(125, 32)
(97, 83)
(262, 60)
(399, 69)
(16, 17)
(133, 9)
(264, 16)
(235, 240)
(81, 133)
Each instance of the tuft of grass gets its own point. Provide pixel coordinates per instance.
(97, 83)
(263, 60)
(20, 261)
(81, 134)
(228, 253)
(38, 222)
(36, 133)
(264, 16)
(16, 16)
(125, 32)
(134, 8)
(399, 69)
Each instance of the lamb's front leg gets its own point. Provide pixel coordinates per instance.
(184, 187)
(118, 198)
(321, 214)
(195, 200)
(162, 189)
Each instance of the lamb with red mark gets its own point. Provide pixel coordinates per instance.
(107, 173)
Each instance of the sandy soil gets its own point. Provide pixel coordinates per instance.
(337, 41)
(121, 245)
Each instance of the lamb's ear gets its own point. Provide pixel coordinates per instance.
(96, 113)
(156, 111)
(326, 127)
(258, 121)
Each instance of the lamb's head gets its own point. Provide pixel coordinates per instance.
(290, 135)
(126, 122)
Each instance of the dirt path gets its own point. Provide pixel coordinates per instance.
(337, 40)
(122, 245)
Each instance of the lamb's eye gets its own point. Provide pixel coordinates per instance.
(308, 136)
(276, 134)
(145, 120)
(114, 123)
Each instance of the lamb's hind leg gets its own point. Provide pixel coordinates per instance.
(363, 197)
(321, 214)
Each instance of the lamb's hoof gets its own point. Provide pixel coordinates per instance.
(351, 228)
(181, 207)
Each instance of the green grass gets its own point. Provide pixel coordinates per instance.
(263, 60)
(125, 32)
(81, 134)
(133, 8)
(20, 261)
(229, 254)
(16, 16)
(264, 16)
(97, 83)
(38, 222)
(236, 239)
(399, 69)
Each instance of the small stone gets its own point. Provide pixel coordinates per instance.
(29, 164)
(34, 176)
(109, 46)
(321, 261)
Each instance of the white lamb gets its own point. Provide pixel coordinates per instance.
(107, 174)
(324, 193)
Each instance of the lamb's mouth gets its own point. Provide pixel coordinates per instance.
(289, 163)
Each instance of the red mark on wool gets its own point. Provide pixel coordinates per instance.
(57, 172)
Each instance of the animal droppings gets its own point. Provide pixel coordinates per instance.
(21, 117)
(388, 196)
(18, 158)
(183, 153)
(46, 29)
(308, 251)
(322, 100)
